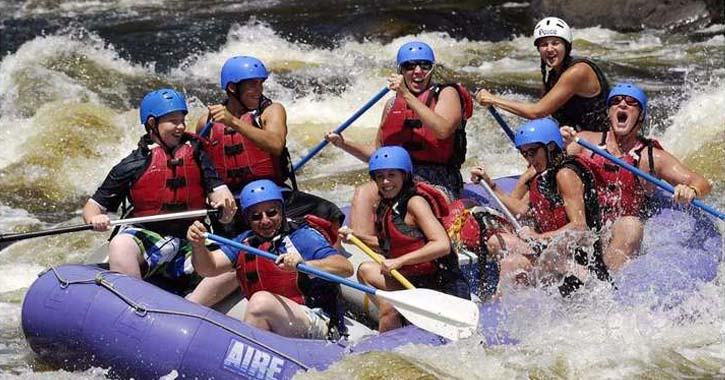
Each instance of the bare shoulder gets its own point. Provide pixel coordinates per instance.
(449, 94)
(274, 107)
(417, 204)
(566, 176)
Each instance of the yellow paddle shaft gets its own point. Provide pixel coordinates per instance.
(379, 260)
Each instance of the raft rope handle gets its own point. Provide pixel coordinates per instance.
(142, 311)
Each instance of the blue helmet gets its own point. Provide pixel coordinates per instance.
(390, 157)
(629, 89)
(539, 131)
(259, 191)
(162, 102)
(415, 51)
(237, 69)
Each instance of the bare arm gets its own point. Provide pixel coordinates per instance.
(361, 151)
(271, 138)
(438, 244)
(571, 189)
(446, 117)
(207, 263)
(94, 214)
(517, 203)
(370, 240)
(335, 264)
(522, 184)
(572, 147)
(688, 184)
(577, 80)
(201, 122)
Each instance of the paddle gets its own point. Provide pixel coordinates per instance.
(660, 183)
(84, 227)
(341, 128)
(363, 247)
(501, 122)
(206, 128)
(500, 204)
(442, 314)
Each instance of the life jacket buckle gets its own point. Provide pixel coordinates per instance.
(174, 162)
(175, 183)
(233, 150)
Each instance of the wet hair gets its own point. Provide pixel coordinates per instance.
(554, 154)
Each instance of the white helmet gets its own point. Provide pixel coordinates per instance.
(552, 27)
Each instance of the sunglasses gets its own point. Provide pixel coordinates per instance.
(269, 213)
(627, 99)
(410, 65)
(531, 152)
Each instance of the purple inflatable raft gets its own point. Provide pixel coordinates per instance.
(76, 316)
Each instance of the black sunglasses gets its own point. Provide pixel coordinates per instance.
(410, 65)
(627, 99)
(270, 213)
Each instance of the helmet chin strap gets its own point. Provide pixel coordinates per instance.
(238, 98)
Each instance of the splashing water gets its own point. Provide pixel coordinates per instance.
(68, 113)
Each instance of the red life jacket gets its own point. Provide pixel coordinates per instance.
(324, 227)
(547, 205)
(257, 273)
(620, 191)
(403, 127)
(237, 159)
(397, 238)
(170, 183)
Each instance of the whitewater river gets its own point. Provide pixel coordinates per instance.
(72, 75)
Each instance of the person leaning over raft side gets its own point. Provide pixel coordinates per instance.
(427, 119)
(561, 197)
(622, 196)
(281, 299)
(168, 172)
(248, 141)
(575, 89)
(410, 234)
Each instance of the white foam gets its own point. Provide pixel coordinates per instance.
(698, 121)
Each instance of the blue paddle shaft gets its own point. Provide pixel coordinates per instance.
(660, 183)
(304, 268)
(206, 129)
(501, 122)
(341, 128)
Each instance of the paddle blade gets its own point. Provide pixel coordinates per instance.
(442, 314)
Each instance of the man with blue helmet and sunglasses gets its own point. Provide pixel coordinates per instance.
(425, 118)
(281, 299)
(623, 196)
(168, 172)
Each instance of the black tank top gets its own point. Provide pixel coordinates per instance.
(582, 114)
